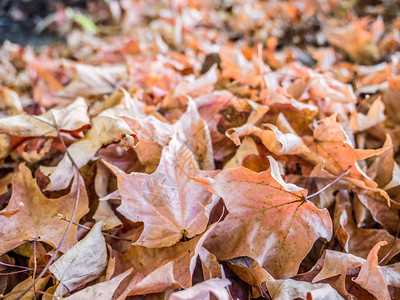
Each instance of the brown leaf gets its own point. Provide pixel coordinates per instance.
(82, 263)
(170, 205)
(202, 290)
(158, 269)
(266, 217)
(70, 117)
(291, 289)
(23, 285)
(359, 241)
(193, 132)
(106, 128)
(38, 218)
(331, 143)
(103, 290)
(370, 278)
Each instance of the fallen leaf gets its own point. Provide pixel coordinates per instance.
(370, 278)
(289, 289)
(103, 290)
(38, 217)
(170, 205)
(359, 241)
(266, 216)
(156, 270)
(216, 286)
(105, 129)
(23, 285)
(82, 263)
(72, 117)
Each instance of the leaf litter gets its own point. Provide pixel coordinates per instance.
(195, 149)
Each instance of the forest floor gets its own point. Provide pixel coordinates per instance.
(173, 149)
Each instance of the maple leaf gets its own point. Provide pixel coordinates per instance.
(359, 241)
(157, 269)
(331, 143)
(170, 205)
(269, 220)
(249, 271)
(103, 290)
(292, 289)
(38, 217)
(358, 38)
(375, 115)
(93, 80)
(193, 131)
(216, 286)
(370, 277)
(72, 117)
(105, 129)
(274, 140)
(82, 263)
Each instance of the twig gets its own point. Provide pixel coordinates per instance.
(53, 257)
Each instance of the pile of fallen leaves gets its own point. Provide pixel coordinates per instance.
(182, 149)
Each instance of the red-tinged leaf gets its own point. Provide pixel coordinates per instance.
(269, 220)
(170, 205)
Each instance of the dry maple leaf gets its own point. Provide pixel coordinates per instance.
(193, 132)
(331, 143)
(269, 220)
(370, 277)
(216, 286)
(82, 263)
(290, 289)
(359, 241)
(103, 290)
(38, 218)
(106, 128)
(170, 204)
(70, 117)
(93, 80)
(358, 38)
(375, 115)
(158, 269)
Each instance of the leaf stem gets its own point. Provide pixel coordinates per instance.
(53, 257)
(328, 185)
(88, 228)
